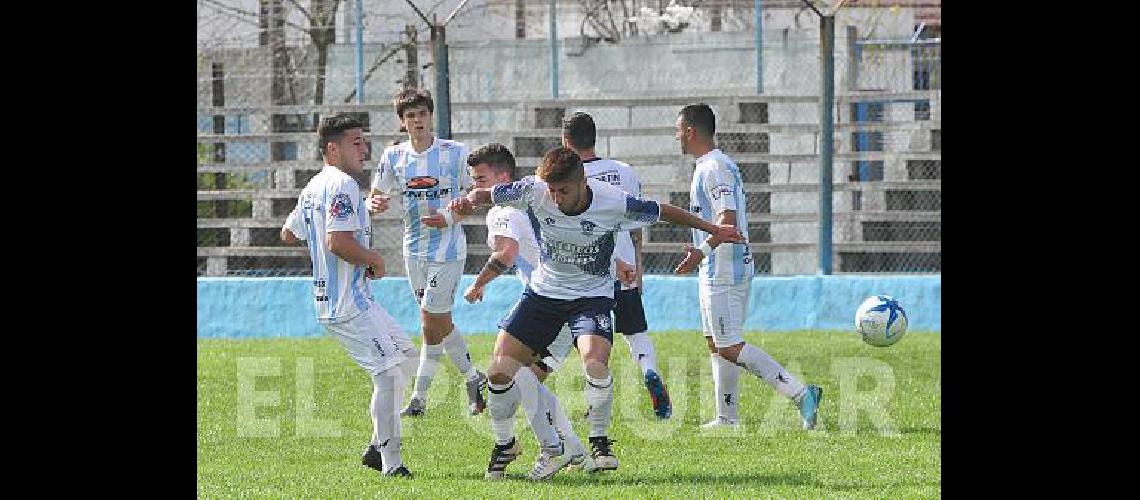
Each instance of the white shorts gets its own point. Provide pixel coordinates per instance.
(434, 283)
(723, 309)
(559, 349)
(374, 340)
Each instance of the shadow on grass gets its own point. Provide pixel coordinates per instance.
(575, 478)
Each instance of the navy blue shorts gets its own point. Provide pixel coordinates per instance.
(629, 314)
(536, 320)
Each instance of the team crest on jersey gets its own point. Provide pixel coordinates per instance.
(588, 227)
(341, 207)
(721, 190)
(549, 221)
(422, 182)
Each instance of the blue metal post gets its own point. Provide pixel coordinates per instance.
(826, 137)
(759, 49)
(553, 51)
(360, 51)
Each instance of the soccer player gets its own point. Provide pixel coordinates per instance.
(725, 278)
(426, 172)
(579, 134)
(330, 216)
(575, 219)
(514, 246)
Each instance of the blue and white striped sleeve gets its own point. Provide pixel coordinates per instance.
(720, 187)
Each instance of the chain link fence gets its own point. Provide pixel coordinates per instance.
(261, 95)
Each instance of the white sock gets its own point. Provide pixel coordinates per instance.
(535, 402)
(600, 398)
(726, 381)
(429, 362)
(641, 350)
(755, 360)
(562, 423)
(503, 400)
(457, 350)
(387, 389)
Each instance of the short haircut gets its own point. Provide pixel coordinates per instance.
(561, 164)
(579, 128)
(332, 129)
(701, 117)
(495, 155)
(411, 98)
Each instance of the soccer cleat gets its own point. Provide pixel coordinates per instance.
(400, 471)
(603, 456)
(475, 397)
(501, 455)
(549, 462)
(415, 408)
(658, 395)
(371, 458)
(720, 422)
(809, 405)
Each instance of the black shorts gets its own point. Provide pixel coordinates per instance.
(536, 320)
(629, 314)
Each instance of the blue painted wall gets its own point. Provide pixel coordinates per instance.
(283, 307)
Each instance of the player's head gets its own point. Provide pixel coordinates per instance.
(491, 164)
(342, 142)
(415, 108)
(578, 131)
(696, 127)
(562, 171)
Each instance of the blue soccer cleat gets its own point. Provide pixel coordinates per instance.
(809, 405)
(658, 395)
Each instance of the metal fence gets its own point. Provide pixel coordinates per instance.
(256, 145)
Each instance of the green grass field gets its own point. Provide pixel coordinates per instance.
(289, 418)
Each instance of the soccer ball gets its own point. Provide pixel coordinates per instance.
(880, 320)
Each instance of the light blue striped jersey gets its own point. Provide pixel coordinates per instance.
(576, 251)
(514, 224)
(332, 201)
(424, 183)
(717, 187)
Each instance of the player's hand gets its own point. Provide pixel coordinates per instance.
(692, 259)
(375, 268)
(434, 220)
(378, 204)
(727, 233)
(473, 294)
(626, 273)
(461, 206)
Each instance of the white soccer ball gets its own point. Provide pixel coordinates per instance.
(880, 320)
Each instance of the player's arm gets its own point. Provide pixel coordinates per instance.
(344, 245)
(635, 235)
(293, 231)
(502, 259)
(381, 193)
(682, 217)
(694, 255)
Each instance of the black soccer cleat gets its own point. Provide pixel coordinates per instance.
(400, 471)
(371, 458)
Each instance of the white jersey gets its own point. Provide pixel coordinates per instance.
(717, 187)
(576, 251)
(623, 177)
(424, 183)
(332, 201)
(514, 224)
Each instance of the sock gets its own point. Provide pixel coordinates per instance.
(726, 381)
(562, 424)
(457, 350)
(535, 398)
(600, 397)
(755, 360)
(429, 362)
(641, 350)
(503, 400)
(387, 389)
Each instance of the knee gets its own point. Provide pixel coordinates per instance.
(596, 368)
(731, 352)
(499, 377)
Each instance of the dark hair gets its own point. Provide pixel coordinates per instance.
(579, 129)
(410, 98)
(701, 117)
(332, 129)
(561, 165)
(496, 155)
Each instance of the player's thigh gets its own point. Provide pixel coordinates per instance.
(439, 291)
(368, 342)
(629, 312)
(726, 308)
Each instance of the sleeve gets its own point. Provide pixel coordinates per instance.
(518, 194)
(503, 223)
(640, 212)
(720, 187)
(295, 223)
(340, 209)
(385, 179)
(630, 183)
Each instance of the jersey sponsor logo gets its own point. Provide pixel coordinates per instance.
(422, 182)
(501, 223)
(610, 177)
(341, 207)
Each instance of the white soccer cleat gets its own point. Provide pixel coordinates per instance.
(548, 464)
(603, 453)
